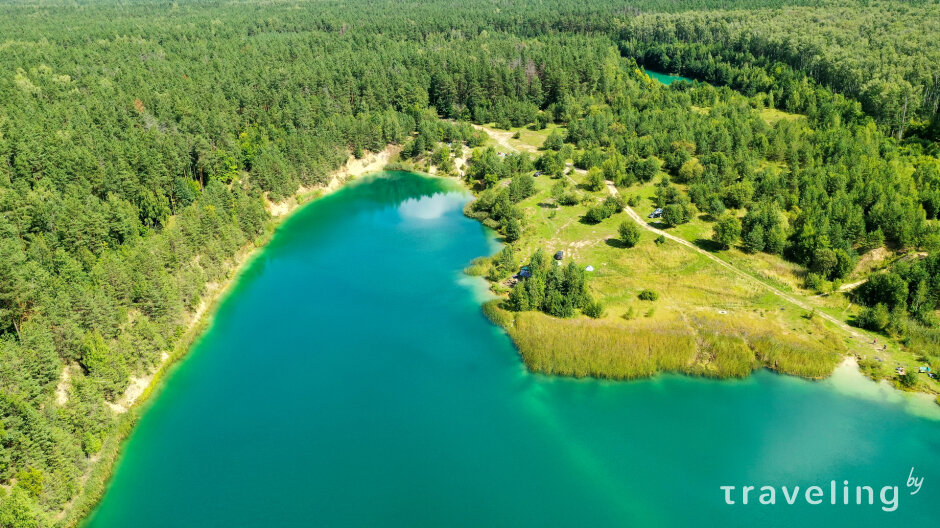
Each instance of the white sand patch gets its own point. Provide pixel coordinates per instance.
(369, 163)
(848, 379)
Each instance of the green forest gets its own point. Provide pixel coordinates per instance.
(141, 141)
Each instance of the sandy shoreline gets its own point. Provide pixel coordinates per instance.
(848, 379)
(141, 388)
(369, 163)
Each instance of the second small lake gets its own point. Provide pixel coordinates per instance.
(665, 78)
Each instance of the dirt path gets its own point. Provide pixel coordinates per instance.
(792, 300)
(844, 288)
(502, 139)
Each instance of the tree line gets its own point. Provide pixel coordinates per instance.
(140, 142)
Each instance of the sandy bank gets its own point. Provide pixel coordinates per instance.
(140, 388)
(369, 163)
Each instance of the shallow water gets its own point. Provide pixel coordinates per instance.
(350, 379)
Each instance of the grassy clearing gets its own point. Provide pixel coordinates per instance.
(706, 321)
(529, 139)
(772, 115)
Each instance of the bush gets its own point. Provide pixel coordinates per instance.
(513, 230)
(727, 231)
(629, 233)
(521, 187)
(889, 289)
(569, 198)
(554, 141)
(648, 295)
(908, 380)
(675, 214)
(815, 282)
(660, 240)
(875, 319)
(594, 310)
(595, 214)
(603, 211)
(716, 207)
(871, 368)
(595, 180)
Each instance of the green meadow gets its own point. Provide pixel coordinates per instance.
(706, 320)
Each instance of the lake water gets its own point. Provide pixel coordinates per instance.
(664, 78)
(349, 379)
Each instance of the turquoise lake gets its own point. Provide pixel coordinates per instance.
(664, 78)
(350, 379)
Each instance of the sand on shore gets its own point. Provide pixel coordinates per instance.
(369, 163)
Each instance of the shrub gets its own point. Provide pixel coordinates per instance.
(594, 309)
(629, 233)
(569, 198)
(521, 187)
(889, 289)
(595, 214)
(513, 230)
(675, 214)
(908, 380)
(595, 180)
(554, 141)
(871, 368)
(875, 318)
(648, 295)
(478, 267)
(727, 231)
(716, 207)
(815, 282)
(600, 212)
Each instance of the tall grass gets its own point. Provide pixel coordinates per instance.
(791, 356)
(925, 341)
(723, 356)
(812, 354)
(600, 348)
(640, 348)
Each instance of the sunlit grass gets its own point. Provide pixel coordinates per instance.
(707, 320)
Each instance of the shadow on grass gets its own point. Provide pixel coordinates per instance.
(708, 245)
(617, 243)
